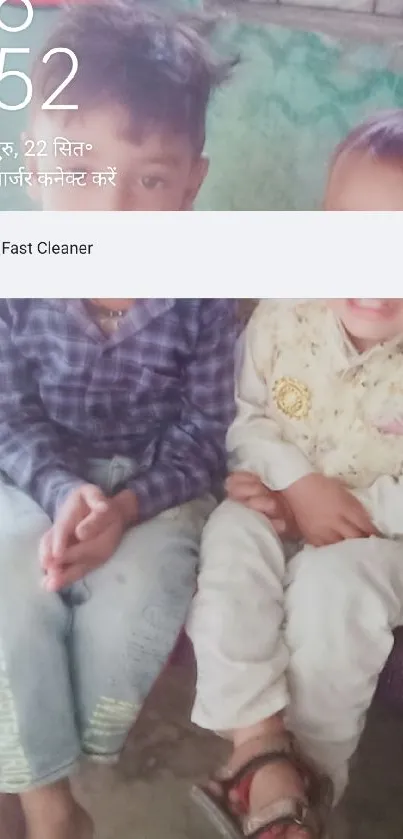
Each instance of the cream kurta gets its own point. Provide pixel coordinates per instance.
(308, 401)
(308, 634)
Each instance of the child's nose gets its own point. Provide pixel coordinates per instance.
(123, 198)
(116, 199)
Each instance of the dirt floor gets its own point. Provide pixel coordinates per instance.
(147, 795)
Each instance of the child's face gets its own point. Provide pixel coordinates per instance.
(358, 181)
(159, 172)
(370, 321)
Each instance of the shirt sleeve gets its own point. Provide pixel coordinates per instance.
(255, 443)
(384, 502)
(191, 458)
(31, 452)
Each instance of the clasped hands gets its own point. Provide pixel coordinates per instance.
(87, 529)
(317, 509)
(89, 526)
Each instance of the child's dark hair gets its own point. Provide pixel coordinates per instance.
(380, 136)
(156, 64)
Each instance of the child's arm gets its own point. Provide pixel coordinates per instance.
(254, 440)
(325, 512)
(31, 453)
(191, 455)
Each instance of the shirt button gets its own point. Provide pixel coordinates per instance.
(99, 412)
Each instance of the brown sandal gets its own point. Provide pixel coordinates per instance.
(311, 814)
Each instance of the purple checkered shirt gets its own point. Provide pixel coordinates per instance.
(159, 390)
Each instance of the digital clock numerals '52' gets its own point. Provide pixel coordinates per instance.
(18, 74)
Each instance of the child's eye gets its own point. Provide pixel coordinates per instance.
(152, 182)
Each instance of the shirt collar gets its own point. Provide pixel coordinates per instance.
(137, 318)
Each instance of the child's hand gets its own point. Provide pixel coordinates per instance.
(248, 489)
(85, 534)
(326, 512)
(81, 505)
(83, 557)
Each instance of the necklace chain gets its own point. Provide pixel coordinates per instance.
(104, 312)
(113, 313)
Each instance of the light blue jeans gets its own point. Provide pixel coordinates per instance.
(76, 667)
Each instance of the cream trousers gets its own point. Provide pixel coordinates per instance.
(308, 636)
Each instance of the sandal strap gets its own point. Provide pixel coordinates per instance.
(310, 814)
(271, 749)
(284, 811)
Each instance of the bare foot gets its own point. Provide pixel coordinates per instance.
(270, 783)
(51, 812)
(12, 823)
(74, 825)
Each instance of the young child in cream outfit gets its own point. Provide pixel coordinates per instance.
(290, 638)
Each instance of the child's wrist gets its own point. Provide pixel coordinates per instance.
(128, 506)
(295, 487)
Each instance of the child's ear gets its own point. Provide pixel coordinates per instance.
(197, 177)
(30, 164)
